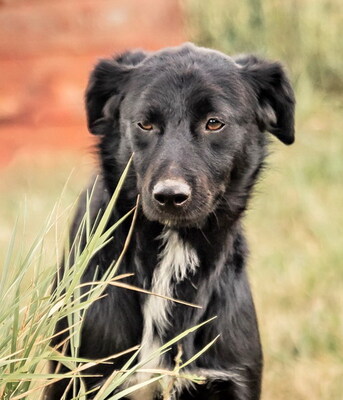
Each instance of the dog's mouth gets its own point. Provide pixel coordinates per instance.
(190, 217)
(182, 222)
(173, 221)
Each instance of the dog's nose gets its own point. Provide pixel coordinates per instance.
(171, 193)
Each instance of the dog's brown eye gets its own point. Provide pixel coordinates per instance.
(145, 126)
(214, 124)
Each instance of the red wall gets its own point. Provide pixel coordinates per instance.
(47, 49)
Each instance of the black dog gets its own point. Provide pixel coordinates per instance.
(195, 120)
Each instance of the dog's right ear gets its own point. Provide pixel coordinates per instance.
(105, 87)
(106, 82)
(274, 94)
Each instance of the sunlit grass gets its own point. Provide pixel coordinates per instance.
(30, 309)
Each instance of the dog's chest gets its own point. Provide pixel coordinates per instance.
(177, 261)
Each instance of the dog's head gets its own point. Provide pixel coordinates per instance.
(195, 120)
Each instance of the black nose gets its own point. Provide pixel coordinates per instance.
(171, 193)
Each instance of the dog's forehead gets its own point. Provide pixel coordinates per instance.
(186, 73)
(189, 52)
(176, 61)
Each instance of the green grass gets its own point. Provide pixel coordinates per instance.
(295, 222)
(31, 186)
(296, 263)
(303, 33)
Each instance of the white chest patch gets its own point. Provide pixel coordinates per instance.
(176, 261)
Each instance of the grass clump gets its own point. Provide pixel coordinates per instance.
(30, 309)
(31, 306)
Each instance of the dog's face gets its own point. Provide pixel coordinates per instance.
(194, 119)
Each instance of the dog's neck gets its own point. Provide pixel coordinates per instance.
(216, 239)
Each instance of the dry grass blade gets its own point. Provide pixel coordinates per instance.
(167, 391)
(113, 282)
(75, 371)
(137, 289)
(129, 235)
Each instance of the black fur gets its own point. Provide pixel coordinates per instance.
(177, 90)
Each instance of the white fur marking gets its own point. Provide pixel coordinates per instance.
(177, 261)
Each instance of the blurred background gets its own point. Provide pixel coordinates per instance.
(295, 222)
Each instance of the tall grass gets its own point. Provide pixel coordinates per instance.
(30, 307)
(29, 310)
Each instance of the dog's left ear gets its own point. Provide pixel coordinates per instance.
(274, 94)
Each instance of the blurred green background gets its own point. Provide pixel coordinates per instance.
(295, 221)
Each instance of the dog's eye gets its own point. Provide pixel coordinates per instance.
(146, 126)
(214, 124)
